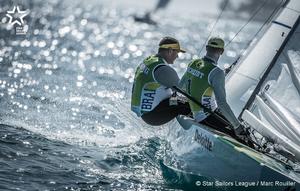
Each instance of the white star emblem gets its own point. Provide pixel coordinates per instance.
(20, 14)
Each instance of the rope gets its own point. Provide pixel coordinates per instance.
(259, 30)
(217, 20)
(250, 19)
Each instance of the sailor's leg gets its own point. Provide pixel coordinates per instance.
(164, 112)
(217, 124)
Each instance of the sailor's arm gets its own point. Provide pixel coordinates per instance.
(160, 71)
(217, 81)
(159, 75)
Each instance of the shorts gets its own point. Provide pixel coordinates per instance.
(164, 112)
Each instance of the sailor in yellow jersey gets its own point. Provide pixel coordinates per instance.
(153, 102)
(205, 81)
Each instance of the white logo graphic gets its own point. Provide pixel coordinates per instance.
(16, 17)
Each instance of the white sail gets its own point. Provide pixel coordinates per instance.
(294, 68)
(283, 91)
(292, 121)
(270, 117)
(275, 118)
(264, 88)
(245, 77)
(272, 134)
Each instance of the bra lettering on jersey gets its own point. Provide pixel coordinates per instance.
(147, 99)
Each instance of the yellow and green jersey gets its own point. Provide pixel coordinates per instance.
(146, 92)
(195, 82)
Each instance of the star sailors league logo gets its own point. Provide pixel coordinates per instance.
(16, 19)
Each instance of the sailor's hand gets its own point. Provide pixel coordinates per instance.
(183, 99)
(241, 132)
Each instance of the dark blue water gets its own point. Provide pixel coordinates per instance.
(30, 161)
(65, 92)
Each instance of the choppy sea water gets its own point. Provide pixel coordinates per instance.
(65, 92)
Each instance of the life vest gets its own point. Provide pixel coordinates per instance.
(146, 92)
